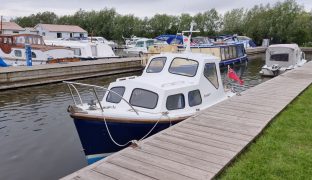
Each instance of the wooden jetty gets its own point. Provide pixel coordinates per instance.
(202, 146)
(19, 76)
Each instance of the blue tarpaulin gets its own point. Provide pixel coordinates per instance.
(171, 39)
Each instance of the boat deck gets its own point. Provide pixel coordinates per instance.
(202, 146)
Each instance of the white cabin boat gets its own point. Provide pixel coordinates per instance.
(282, 57)
(85, 49)
(173, 87)
(102, 40)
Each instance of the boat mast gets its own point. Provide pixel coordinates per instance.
(188, 43)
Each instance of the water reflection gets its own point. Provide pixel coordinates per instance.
(37, 137)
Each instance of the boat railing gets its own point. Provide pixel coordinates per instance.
(72, 86)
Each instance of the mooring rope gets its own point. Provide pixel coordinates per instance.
(131, 141)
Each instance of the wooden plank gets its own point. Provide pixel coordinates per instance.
(145, 168)
(192, 152)
(201, 140)
(198, 146)
(177, 167)
(220, 132)
(226, 127)
(238, 116)
(230, 113)
(181, 158)
(208, 135)
(221, 118)
(121, 173)
(92, 175)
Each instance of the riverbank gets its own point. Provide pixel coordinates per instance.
(284, 149)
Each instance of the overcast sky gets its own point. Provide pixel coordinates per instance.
(140, 8)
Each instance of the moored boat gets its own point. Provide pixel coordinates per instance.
(280, 58)
(12, 49)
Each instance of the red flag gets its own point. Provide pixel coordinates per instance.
(232, 75)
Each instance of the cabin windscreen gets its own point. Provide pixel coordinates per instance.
(156, 65)
(144, 98)
(185, 67)
(114, 98)
(176, 101)
(210, 72)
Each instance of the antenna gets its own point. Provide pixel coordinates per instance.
(188, 43)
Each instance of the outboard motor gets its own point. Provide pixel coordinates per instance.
(275, 69)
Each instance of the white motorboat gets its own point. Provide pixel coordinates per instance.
(282, 57)
(84, 49)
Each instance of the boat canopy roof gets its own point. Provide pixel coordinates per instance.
(290, 46)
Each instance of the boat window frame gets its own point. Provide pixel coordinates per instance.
(216, 73)
(19, 51)
(280, 54)
(188, 98)
(115, 94)
(175, 95)
(151, 62)
(147, 91)
(185, 59)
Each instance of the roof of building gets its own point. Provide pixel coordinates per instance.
(61, 28)
(31, 29)
(11, 26)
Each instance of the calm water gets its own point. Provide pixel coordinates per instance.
(38, 139)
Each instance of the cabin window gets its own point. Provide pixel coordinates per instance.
(77, 51)
(33, 55)
(234, 51)
(222, 53)
(156, 65)
(194, 98)
(279, 57)
(175, 102)
(59, 35)
(15, 32)
(43, 33)
(185, 67)
(240, 50)
(149, 43)
(144, 98)
(18, 53)
(114, 98)
(139, 44)
(210, 72)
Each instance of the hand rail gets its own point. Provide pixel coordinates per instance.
(95, 86)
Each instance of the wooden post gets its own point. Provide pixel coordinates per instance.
(1, 25)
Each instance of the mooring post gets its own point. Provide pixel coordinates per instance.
(28, 55)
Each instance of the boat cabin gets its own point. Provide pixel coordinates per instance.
(171, 82)
(283, 55)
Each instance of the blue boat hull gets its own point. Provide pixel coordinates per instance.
(96, 141)
(232, 61)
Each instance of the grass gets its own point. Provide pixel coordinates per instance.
(283, 150)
